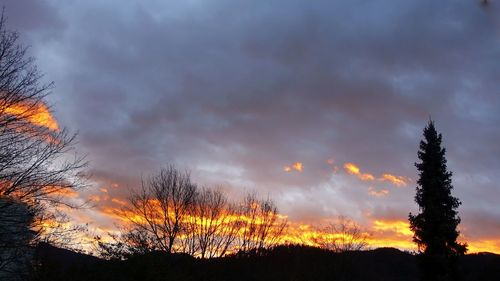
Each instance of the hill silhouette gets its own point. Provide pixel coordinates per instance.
(280, 263)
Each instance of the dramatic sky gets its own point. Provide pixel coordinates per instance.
(319, 104)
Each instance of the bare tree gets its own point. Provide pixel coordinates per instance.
(171, 214)
(34, 162)
(212, 225)
(261, 224)
(227, 234)
(36, 171)
(342, 235)
(161, 206)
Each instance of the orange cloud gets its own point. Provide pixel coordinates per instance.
(377, 233)
(118, 201)
(397, 233)
(105, 196)
(396, 226)
(487, 245)
(37, 114)
(396, 180)
(391, 233)
(352, 169)
(380, 233)
(297, 166)
(306, 234)
(366, 177)
(377, 193)
(94, 198)
(61, 191)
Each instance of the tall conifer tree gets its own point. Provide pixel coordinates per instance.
(435, 227)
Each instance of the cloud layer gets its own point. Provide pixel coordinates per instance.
(238, 91)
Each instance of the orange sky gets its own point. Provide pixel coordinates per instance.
(37, 114)
(378, 233)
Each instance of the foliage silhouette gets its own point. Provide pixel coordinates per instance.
(172, 214)
(435, 227)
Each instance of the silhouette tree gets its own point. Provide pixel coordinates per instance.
(171, 214)
(34, 166)
(435, 227)
(261, 225)
(342, 235)
(212, 225)
(36, 172)
(159, 209)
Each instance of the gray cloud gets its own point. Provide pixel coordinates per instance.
(236, 90)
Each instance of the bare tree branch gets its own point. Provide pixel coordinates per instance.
(36, 170)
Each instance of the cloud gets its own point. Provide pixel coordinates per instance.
(399, 227)
(297, 166)
(37, 114)
(232, 91)
(354, 170)
(118, 201)
(396, 180)
(44, 21)
(94, 198)
(377, 193)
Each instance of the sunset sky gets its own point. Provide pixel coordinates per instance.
(318, 104)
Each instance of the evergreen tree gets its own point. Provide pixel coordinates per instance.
(435, 227)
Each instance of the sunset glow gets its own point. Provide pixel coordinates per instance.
(378, 193)
(398, 227)
(376, 233)
(352, 169)
(297, 166)
(37, 114)
(396, 180)
(380, 233)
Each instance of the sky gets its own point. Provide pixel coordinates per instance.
(317, 104)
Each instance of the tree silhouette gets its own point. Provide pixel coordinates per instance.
(173, 215)
(261, 224)
(342, 235)
(37, 172)
(435, 227)
(212, 228)
(159, 209)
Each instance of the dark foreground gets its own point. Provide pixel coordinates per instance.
(281, 263)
